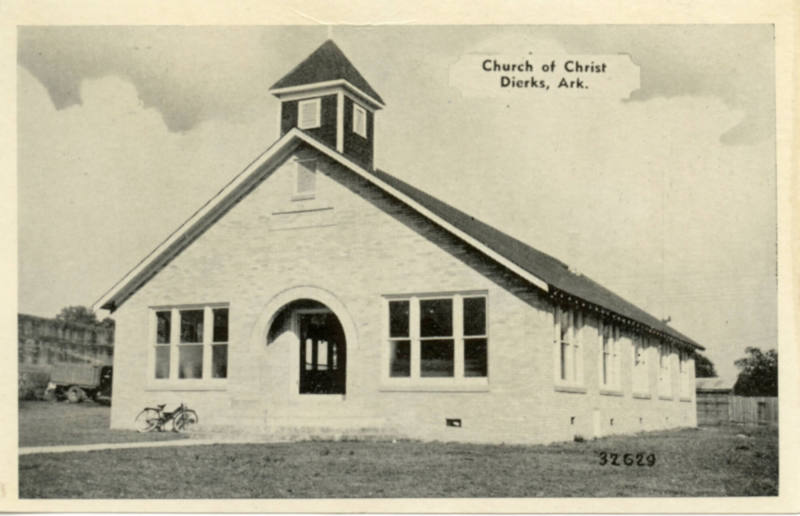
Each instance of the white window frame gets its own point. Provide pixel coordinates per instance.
(568, 353)
(317, 122)
(360, 130)
(610, 382)
(416, 382)
(173, 381)
(684, 363)
(665, 370)
(640, 364)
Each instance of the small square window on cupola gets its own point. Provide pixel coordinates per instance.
(359, 120)
(308, 113)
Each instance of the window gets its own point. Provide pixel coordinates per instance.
(569, 359)
(664, 371)
(641, 380)
(359, 120)
(475, 338)
(609, 356)
(308, 113)
(438, 337)
(399, 339)
(184, 349)
(219, 346)
(685, 369)
(305, 180)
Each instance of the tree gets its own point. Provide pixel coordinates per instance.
(703, 367)
(758, 374)
(77, 314)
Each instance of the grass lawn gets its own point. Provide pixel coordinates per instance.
(43, 423)
(691, 462)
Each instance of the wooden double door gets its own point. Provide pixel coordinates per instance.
(323, 353)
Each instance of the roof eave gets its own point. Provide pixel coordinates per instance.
(372, 101)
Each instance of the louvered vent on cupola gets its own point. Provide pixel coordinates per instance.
(326, 97)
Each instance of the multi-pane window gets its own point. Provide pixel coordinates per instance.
(664, 370)
(359, 120)
(399, 339)
(163, 337)
(609, 356)
(641, 378)
(219, 343)
(569, 358)
(308, 113)
(184, 349)
(438, 337)
(190, 347)
(475, 337)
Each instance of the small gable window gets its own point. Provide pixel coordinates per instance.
(359, 120)
(308, 113)
(305, 179)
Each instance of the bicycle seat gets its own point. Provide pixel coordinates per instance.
(161, 406)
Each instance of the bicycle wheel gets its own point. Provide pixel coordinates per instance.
(185, 420)
(147, 420)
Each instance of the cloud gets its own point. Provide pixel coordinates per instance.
(101, 183)
(191, 74)
(734, 63)
(187, 74)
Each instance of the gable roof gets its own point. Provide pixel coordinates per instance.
(553, 271)
(326, 63)
(713, 384)
(540, 269)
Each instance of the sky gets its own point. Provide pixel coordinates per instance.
(666, 194)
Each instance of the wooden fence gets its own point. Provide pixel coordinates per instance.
(716, 409)
(753, 411)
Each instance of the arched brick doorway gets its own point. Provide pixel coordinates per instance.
(322, 346)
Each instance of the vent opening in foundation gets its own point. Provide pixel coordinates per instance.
(453, 422)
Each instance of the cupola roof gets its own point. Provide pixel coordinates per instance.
(326, 64)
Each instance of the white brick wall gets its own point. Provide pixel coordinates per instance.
(352, 250)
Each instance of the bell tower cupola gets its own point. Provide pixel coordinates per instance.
(327, 98)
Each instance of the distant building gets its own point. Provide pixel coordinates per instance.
(317, 294)
(43, 342)
(713, 399)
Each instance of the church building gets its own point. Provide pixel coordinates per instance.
(316, 295)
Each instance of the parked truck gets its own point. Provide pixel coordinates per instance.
(77, 382)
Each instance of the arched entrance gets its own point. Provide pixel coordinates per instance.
(321, 345)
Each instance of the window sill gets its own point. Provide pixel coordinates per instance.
(185, 385)
(687, 399)
(610, 392)
(435, 385)
(303, 197)
(570, 388)
(321, 398)
(642, 396)
(294, 209)
(665, 398)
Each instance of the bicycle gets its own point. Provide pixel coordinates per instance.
(156, 418)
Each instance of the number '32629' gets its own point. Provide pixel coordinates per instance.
(627, 459)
